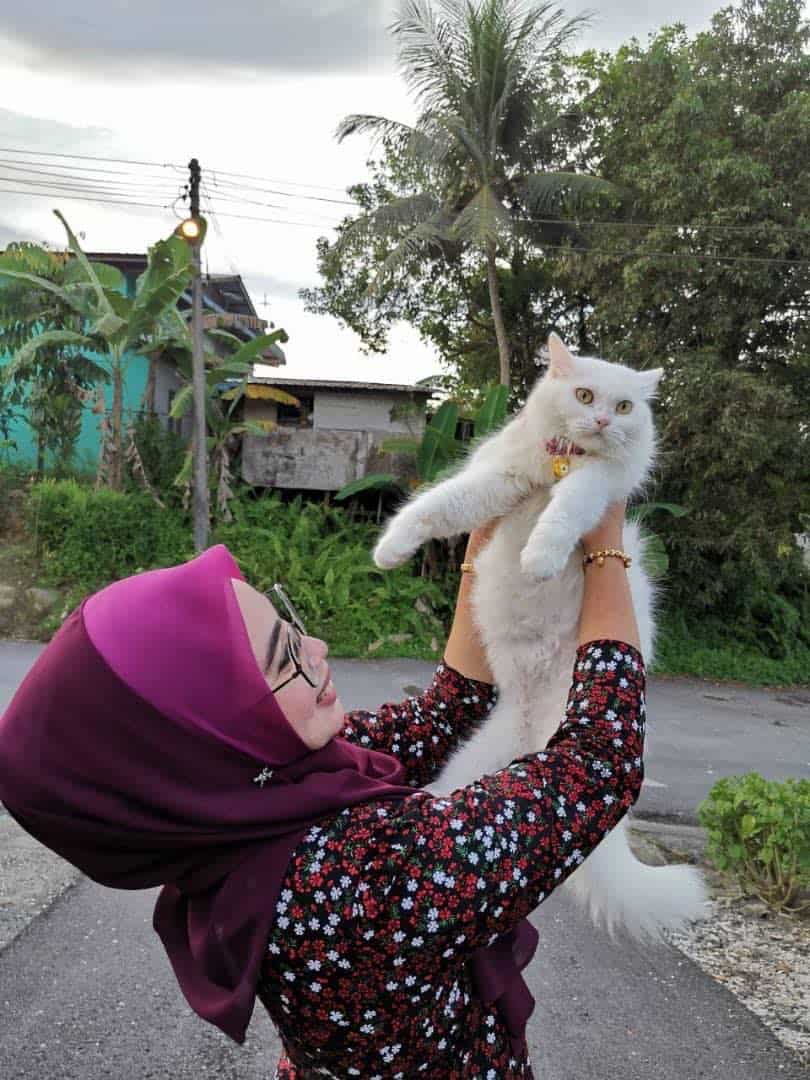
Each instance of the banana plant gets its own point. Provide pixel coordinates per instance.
(656, 560)
(113, 326)
(224, 431)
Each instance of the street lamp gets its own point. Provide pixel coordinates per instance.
(192, 230)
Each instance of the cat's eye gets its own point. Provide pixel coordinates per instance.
(624, 407)
(584, 395)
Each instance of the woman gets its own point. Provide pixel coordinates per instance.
(182, 730)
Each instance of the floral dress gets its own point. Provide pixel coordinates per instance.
(366, 973)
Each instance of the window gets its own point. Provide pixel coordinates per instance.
(294, 415)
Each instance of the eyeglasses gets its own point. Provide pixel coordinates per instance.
(277, 595)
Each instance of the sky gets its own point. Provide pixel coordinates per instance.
(252, 88)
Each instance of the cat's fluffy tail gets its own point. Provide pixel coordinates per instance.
(617, 891)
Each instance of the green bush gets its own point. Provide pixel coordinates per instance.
(760, 831)
(88, 538)
(162, 453)
(324, 561)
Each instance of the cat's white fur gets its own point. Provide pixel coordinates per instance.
(527, 595)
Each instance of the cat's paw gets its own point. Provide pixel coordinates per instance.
(545, 558)
(395, 548)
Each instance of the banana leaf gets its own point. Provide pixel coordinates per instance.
(50, 339)
(640, 513)
(437, 446)
(181, 403)
(373, 481)
(493, 411)
(160, 286)
(400, 446)
(104, 309)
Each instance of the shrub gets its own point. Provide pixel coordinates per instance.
(89, 538)
(760, 830)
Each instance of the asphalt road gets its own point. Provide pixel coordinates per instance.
(87, 992)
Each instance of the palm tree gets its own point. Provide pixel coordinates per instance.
(484, 139)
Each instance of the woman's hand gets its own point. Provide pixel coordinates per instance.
(609, 532)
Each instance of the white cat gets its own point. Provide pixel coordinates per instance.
(527, 593)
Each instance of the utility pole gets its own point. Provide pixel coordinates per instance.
(200, 458)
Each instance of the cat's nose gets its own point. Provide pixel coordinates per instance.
(603, 421)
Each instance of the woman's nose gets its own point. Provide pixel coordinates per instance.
(318, 649)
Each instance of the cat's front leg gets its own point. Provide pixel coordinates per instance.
(577, 504)
(456, 505)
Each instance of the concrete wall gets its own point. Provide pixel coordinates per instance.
(317, 460)
(340, 411)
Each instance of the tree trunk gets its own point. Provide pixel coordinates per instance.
(497, 316)
(148, 400)
(116, 477)
(40, 455)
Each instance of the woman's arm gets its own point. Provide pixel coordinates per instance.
(464, 650)
(607, 606)
(422, 732)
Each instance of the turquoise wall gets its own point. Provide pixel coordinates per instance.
(89, 441)
(88, 445)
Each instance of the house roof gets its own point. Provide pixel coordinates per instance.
(340, 384)
(223, 294)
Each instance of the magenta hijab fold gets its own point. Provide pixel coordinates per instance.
(146, 748)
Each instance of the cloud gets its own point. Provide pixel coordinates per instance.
(271, 35)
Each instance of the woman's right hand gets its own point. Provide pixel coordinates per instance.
(610, 530)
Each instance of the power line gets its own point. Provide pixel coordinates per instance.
(82, 198)
(89, 157)
(56, 188)
(539, 220)
(229, 184)
(88, 184)
(76, 168)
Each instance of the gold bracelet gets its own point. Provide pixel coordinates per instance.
(468, 567)
(600, 556)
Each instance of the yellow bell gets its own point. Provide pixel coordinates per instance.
(560, 466)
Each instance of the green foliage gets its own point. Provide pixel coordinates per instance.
(324, 561)
(88, 538)
(88, 310)
(707, 647)
(369, 482)
(733, 454)
(760, 830)
(479, 174)
(162, 452)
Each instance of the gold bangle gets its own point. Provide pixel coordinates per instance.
(599, 557)
(468, 567)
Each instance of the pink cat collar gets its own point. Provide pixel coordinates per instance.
(563, 447)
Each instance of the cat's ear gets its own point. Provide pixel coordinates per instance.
(649, 381)
(561, 362)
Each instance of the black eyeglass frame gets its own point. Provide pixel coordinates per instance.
(277, 593)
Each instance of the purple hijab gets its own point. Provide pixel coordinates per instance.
(146, 748)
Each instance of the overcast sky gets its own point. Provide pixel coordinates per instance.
(254, 87)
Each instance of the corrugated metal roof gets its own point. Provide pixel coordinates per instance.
(339, 384)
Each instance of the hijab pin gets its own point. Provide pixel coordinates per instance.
(264, 775)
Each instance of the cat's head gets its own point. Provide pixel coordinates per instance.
(601, 406)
